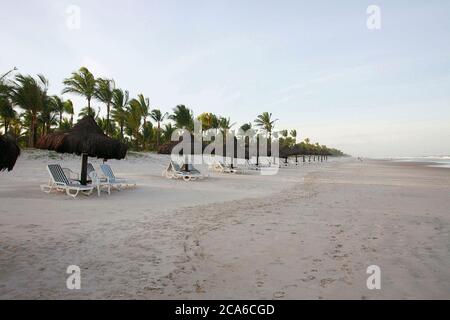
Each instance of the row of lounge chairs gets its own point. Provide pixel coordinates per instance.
(186, 172)
(65, 180)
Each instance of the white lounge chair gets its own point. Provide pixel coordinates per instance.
(174, 171)
(60, 182)
(219, 166)
(71, 175)
(100, 183)
(250, 166)
(111, 178)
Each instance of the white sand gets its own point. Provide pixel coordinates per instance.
(308, 232)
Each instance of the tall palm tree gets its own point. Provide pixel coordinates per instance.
(59, 106)
(265, 122)
(7, 113)
(293, 134)
(68, 106)
(81, 83)
(142, 104)
(104, 93)
(168, 131)
(224, 126)
(158, 117)
(30, 94)
(120, 102)
(183, 118)
(48, 115)
(133, 121)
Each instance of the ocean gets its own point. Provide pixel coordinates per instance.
(434, 161)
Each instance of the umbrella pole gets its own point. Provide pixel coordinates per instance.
(84, 162)
(257, 150)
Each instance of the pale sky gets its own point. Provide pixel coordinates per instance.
(314, 64)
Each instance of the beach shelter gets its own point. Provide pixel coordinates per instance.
(9, 152)
(85, 139)
(284, 153)
(296, 151)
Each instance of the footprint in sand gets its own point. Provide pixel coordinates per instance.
(325, 282)
(279, 294)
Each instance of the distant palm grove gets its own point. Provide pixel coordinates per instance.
(28, 111)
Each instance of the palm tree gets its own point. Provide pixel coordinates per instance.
(142, 104)
(293, 134)
(265, 122)
(48, 115)
(183, 118)
(88, 111)
(246, 126)
(168, 131)
(30, 94)
(158, 117)
(66, 125)
(120, 102)
(133, 120)
(224, 126)
(147, 131)
(68, 105)
(209, 121)
(104, 93)
(59, 106)
(81, 83)
(7, 113)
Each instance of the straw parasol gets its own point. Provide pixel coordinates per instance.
(9, 152)
(87, 139)
(285, 152)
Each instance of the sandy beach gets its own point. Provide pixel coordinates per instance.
(309, 232)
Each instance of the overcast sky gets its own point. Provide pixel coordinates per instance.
(314, 64)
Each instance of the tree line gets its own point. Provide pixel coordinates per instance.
(28, 111)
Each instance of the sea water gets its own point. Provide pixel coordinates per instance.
(432, 161)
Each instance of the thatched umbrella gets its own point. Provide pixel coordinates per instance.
(296, 151)
(9, 152)
(87, 139)
(285, 152)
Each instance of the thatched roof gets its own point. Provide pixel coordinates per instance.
(9, 152)
(167, 147)
(85, 137)
(285, 152)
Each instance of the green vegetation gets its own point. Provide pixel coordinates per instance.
(28, 112)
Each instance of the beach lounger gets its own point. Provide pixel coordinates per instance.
(174, 171)
(250, 166)
(60, 182)
(219, 166)
(100, 183)
(111, 178)
(71, 175)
